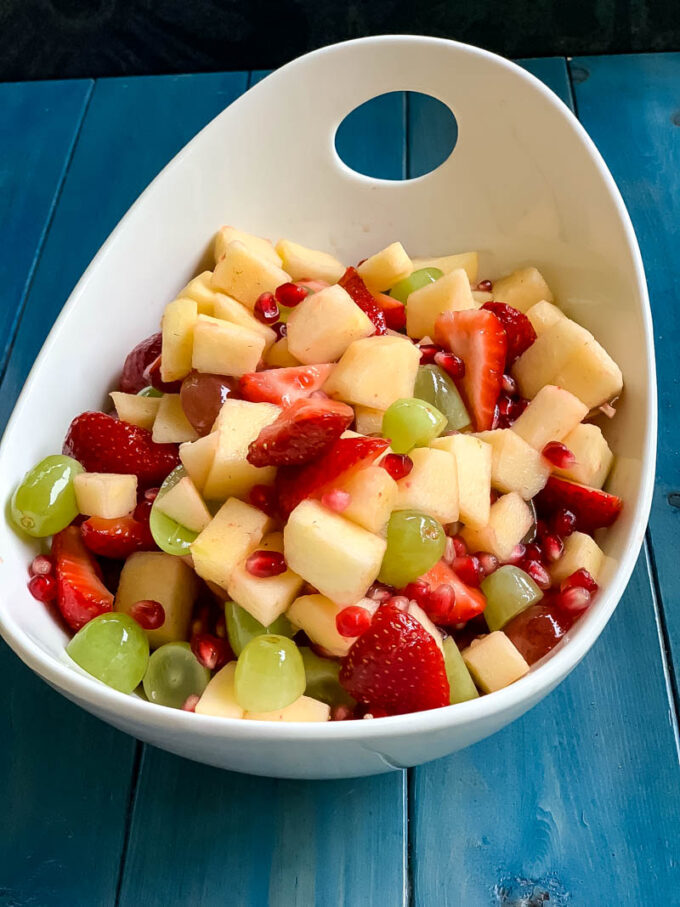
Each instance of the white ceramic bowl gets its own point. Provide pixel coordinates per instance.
(524, 185)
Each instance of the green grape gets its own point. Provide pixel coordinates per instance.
(270, 674)
(435, 387)
(415, 542)
(149, 392)
(167, 533)
(461, 685)
(174, 673)
(414, 281)
(322, 679)
(114, 649)
(242, 627)
(508, 591)
(410, 423)
(45, 501)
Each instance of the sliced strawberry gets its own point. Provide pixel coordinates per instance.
(363, 297)
(469, 601)
(81, 595)
(519, 331)
(283, 385)
(303, 432)
(138, 360)
(592, 507)
(117, 538)
(478, 338)
(394, 311)
(295, 483)
(104, 444)
(396, 665)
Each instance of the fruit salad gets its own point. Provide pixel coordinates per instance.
(331, 492)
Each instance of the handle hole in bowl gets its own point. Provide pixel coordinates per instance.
(417, 134)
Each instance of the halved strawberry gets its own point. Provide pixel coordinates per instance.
(394, 311)
(303, 431)
(117, 538)
(104, 444)
(81, 595)
(133, 378)
(592, 507)
(396, 665)
(469, 601)
(357, 289)
(479, 339)
(283, 385)
(295, 483)
(519, 331)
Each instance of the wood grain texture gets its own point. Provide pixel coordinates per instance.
(577, 801)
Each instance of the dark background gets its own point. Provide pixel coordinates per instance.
(42, 39)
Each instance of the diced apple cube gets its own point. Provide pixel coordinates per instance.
(238, 424)
(225, 348)
(177, 327)
(104, 494)
(515, 465)
(522, 289)
(308, 264)
(481, 297)
(171, 426)
(368, 420)
(494, 662)
(450, 293)
(544, 315)
(303, 709)
(315, 614)
(324, 324)
(431, 486)
(568, 355)
(197, 458)
(265, 598)
(336, 556)
(160, 577)
(228, 309)
(373, 496)
(580, 552)
(257, 244)
(375, 372)
(550, 416)
(279, 356)
(469, 261)
(245, 274)
(136, 410)
(200, 290)
(593, 456)
(510, 518)
(473, 459)
(232, 533)
(219, 697)
(387, 267)
(183, 504)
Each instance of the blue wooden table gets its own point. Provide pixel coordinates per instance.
(578, 803)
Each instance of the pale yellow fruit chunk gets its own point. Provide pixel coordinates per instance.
(510, 518)
(171, 426)
(593, 456)
(473, 459)
(324, 324)
(245, 274)
(177, 329)
(469, 261)
(106, 495)
(580, 552)
(494, 662)
(136, 410)
(432, 485)
(375, 372)
(515, 465)
(309, 264)
(265, 598)
(219, 698)
(451, 293)
(522, 289)
(183, 504)
(303, 709)
(234, 531)
(387, 267)
(257, 244)
(551, 415)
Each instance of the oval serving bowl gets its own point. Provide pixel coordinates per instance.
(524, 185)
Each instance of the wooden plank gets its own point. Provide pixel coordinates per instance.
(552, 806)
(639, 137)
(65, 778)
(39, 122)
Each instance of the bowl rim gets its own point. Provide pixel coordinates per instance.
(110, 704)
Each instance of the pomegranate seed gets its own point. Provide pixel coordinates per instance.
(468, 569)
(342, 713)
(336, 500)
(151, 494)
(460, 546)
(449, 551)
(399, 601)
(428, 351)
(553, 546)
(533, 552)
(558, 454)
(41, 565)
(43, 586)
(564, 523)
(397, 465)
(517, 554)
(280, 328)
(418, 592)
(352, 621)
(538, 573)
(380, 593)
(441, 603)
(487, 562)
(266, 563)
(190, 703)
(575, 599)
(149, 614)
(580, 578)
(266, 308)
(541, 529)
(452, 365)
(485, 286)
(265, 499)
(290, 294)
(211, 651)
(509, 385)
